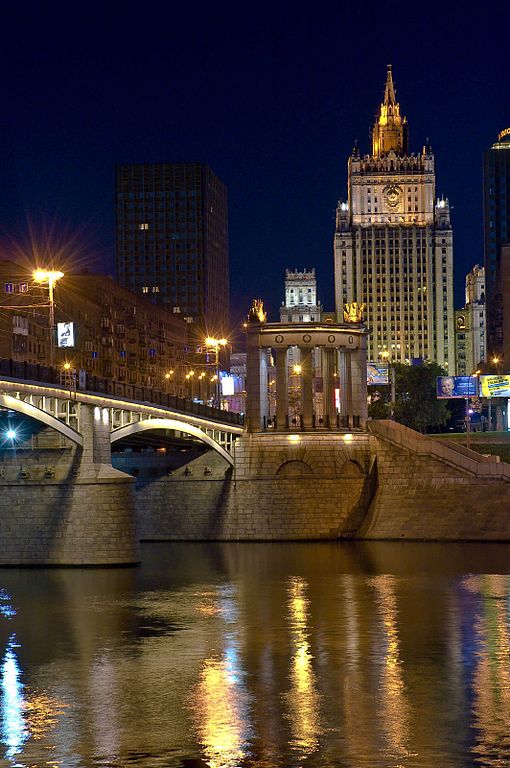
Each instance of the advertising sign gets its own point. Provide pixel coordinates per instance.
(377, 373)
(65, 334)
(456, 386)
(495, 386)
(227, 385)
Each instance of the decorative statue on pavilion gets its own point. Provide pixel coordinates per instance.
(353, 313)
(256, 313)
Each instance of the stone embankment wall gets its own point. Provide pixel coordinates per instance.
(434, 490)
(282, 487)
(61, 504)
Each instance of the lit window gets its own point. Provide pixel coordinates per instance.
(145, 289)
(143, 226)
(23, 287)
(155, 289)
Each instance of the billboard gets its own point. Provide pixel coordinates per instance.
(227, 385)
(495, 386)
(65, 334)
(456, 386)
(377, 373)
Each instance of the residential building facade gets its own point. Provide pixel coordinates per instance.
(172, 241)
(393, 245)
(111, 332)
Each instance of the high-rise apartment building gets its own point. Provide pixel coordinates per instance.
(172, 240)
(470, 325)
(393, 245)
(496, 209)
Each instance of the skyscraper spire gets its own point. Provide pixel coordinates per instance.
(389, 91)
(390, 128)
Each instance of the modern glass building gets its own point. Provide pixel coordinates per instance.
(496, 208)
(172, 240)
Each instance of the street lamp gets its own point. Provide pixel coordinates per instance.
(468, 411)
(167, 377)
(50, 277)
(189, 377)
(386, 357)
(214, 345)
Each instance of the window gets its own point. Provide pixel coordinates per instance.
(144, 226)
(9, 287)
(145, 289)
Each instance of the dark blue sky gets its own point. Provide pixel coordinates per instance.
(270, 96)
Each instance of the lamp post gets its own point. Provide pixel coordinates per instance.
(495, 360)
(189, 377)
(468, 412)
(214, 345)
(391, 370)
(168, 376)
(50, 277)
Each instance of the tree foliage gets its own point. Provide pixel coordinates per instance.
(416, 404)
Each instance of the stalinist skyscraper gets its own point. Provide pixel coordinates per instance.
(393, 245)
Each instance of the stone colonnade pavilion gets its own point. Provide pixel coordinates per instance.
(343, 362)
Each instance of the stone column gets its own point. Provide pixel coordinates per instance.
(328, 378)
(345, 387)
(306, 388)
(256, 382)
(359, 384)
(282, 388)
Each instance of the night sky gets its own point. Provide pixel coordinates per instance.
(271, 97)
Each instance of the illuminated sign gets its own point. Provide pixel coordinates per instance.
(495, 386)
(227, 385)
(504, 133)
(377, 373)
(456, 386)
(65, 334)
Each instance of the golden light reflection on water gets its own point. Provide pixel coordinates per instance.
(303, 700)
(395, 712)
(41, 712)
(491, 678)
(220, 702)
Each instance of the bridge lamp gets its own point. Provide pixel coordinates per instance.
(297, 368)
(50, 277)
(11, 434)
(215, 345)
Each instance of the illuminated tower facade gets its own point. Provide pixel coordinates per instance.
(393, 245)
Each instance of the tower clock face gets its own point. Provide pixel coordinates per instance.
(392, 195)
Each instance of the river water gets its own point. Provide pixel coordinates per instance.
(226, 655)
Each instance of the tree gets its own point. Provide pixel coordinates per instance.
(416, 404)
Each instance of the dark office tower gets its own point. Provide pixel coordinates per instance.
(496, 209)
(172, 240)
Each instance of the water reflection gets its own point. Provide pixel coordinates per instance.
(394, 717)
(302, 701)
(491, 675)
(288, 655)
(222, 703)
(14, 727)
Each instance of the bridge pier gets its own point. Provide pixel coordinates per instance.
(82, 513)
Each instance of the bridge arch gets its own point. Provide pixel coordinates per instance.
(20, 406)
(181, 426)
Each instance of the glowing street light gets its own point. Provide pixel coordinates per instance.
(11, 434)
(214, 345)
(50, 277)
